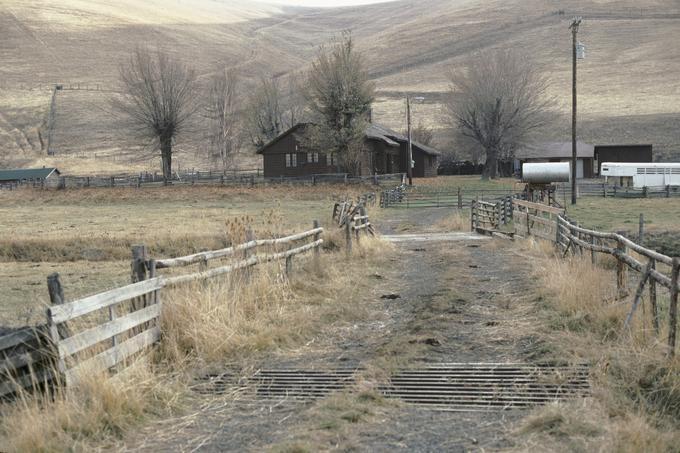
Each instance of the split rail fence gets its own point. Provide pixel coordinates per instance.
(655, 269)
(101, 332)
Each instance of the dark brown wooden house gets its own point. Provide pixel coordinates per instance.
(386, 152)
(622, 153)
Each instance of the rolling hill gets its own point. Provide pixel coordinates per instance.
(629, 91)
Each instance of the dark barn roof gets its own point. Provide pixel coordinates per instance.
(373, 132)
(27, 173)
(555, 150)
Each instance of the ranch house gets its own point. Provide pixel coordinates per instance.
(385, 152)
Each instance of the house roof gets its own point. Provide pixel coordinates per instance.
(382, 131)
(373, 131)
(27, 173)
(554, 150)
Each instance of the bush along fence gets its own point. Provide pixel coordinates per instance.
(487, 217)
(101, 332)
(550, 223)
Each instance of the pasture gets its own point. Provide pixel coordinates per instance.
(87, 235)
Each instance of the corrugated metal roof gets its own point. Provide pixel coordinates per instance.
(553, 150)
(26, 173)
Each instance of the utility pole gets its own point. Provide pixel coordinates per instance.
(409, 164)
(574, 158)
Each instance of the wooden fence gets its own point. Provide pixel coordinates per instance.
(563, 192)
(102, 331)
(535, 219)
(550, 223)
(487, 217)
(404, 197)
(240, 178)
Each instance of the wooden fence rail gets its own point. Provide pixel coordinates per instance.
(103, 331)
(487, 217)
(550, 223)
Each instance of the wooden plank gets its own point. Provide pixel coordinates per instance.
(252, 261)
(204, 256)
(617, 237)
(543, 221)
(24, 335)
(15, 361)
(25, 381)
(214, 254)
(111, 357)
(90, 337)
(75, 309)
(537, 206)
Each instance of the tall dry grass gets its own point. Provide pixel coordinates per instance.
(636, 395)
(98, 410)
(225, 320)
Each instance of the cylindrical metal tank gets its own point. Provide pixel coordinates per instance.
(546, 172)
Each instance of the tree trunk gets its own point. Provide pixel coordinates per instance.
(166, 158)
(491, 165)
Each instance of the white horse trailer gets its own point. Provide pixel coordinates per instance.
(643, 174)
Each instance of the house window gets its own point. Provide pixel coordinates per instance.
(291, 160)
(312, 158)
(332, 159)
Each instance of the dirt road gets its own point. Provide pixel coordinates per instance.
(452, 299)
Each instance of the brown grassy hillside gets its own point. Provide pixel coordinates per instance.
(628, 85)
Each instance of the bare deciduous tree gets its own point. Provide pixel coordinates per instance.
(158, 98)
(274, 107)
(499, 102)
(422, 134)
(340, 95)
(221, 113)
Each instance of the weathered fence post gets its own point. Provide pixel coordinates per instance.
(668, 191)
(621, 269)
(641, 230)
(289, 266)
(592, 249)
(138, 273)
(673, 311)
(652, 299)
(348, 237)
(604, 190)
(645, 192)
(638, 295)
(473, 205)
(317, 252)
(460, 199)
(56, 293)
(113, 181)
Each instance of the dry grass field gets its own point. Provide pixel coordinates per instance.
(628, 89)
(87, 235)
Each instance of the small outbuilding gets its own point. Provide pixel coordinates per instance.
(385, 152)
(34, 176)
(622, 153)
(559, 152)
